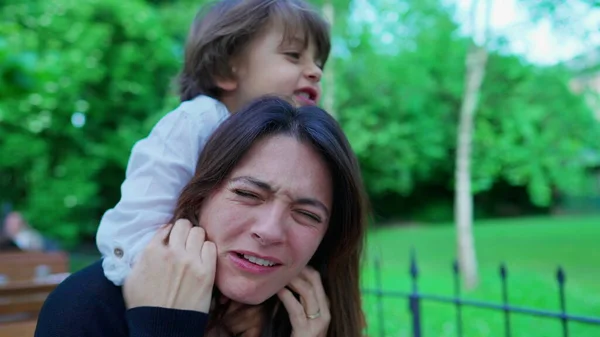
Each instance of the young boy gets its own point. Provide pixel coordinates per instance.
(239, 50)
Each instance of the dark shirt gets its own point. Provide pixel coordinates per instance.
(87, 304)
(8, 245)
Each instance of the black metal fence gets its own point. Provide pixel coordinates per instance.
(415, 298)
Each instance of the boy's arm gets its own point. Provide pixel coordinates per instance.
(159, 167)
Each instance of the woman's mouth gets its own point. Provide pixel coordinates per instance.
(253, 264)
(257, 260)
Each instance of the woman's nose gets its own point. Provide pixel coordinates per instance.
(269, 228)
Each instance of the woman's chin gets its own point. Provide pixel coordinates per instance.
(245, 292)
(244, 297)
(247, 289)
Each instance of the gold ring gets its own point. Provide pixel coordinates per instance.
(317, 315)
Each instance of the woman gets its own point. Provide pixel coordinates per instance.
(276, 225)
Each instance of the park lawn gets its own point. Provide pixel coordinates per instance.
(532, 249)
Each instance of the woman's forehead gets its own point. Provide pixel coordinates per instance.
(286, 164)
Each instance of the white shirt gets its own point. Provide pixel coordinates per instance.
(28, 239)
(159, 167)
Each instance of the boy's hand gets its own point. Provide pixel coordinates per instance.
(176, 270)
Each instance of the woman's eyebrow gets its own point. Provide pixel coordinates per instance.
(253, 181)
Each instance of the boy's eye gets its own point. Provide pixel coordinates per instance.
(295, 55)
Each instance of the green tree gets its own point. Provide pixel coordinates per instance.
(102, 70)
(398, 99)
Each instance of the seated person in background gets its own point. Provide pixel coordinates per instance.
(8, 245)
(16, 229)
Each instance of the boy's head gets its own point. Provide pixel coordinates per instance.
(238, 50)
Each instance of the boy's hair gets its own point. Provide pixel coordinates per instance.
(222, 30)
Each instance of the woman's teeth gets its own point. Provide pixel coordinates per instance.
(258, 261)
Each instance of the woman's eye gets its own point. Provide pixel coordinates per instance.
(310, 216)
(245, 194)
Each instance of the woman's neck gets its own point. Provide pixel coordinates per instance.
(239, 319)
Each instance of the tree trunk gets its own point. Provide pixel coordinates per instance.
(328, 75)
(463, 213)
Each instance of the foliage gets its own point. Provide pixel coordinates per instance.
(88, 90)
(531, 130)
(398, 122)
(80, 82)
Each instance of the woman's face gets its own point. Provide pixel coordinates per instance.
(268, 218)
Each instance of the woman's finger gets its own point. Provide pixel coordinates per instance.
(294, 308)
(308, 298)
(195, 240)
(209, 257)
(161, 236)
(179, 234)
(314, 278)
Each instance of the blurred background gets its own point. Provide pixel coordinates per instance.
(82, 81)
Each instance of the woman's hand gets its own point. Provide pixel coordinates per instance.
(310, 316)
(176, 270)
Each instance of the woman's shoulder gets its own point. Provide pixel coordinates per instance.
(84, 304)
(90, 285)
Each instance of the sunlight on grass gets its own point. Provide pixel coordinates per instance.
(532, 250)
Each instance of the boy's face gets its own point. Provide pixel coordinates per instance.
(268, 66)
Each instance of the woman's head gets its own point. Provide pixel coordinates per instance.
(268, 217)
(238, 50)
(281, 183)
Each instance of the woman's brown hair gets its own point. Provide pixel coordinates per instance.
(224, 29)
(338, 256)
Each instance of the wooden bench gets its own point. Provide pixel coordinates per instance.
(27, 280)
(18, 329)
(27, 266)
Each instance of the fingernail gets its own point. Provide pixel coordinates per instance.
(181, 221)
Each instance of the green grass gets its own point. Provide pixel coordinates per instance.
(80, 261)
(532, 250)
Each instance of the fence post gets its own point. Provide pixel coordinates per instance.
(503, 278)
(457, 302)
(379, 296)
(414, 300)
(561, 278)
